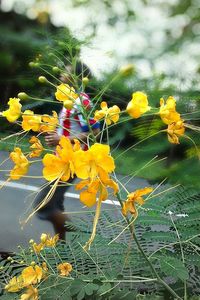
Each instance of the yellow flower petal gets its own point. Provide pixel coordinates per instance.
(32, 275)
(138, 105)
(55, 168)
(15, 284)
(21, 164)
(31, 121)
(129, 204)
(174, 131)
(87, 198)
(64, 269)
(110, 114)
(65, 92)
(14, 111)
(49, 123)
(168, 111)
(31, 294)
(36, 146)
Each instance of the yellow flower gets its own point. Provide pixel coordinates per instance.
(52, 241)
(14, 111)
(65, 92)
(111, 114)
(61, 164)
(15, 284)
(36, 146)
(138, 105)
(168, 111)
(31, 294)
(49, 123)
(38, 247)
(46, 241)
(32, 275)
(64, 269)
(89, 196)
(174, 131)
(132, 198)
(31, 121)
(89, 164)
(21, 164)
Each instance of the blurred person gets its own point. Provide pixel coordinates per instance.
(74, 126)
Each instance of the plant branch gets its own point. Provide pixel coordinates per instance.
(159, 279)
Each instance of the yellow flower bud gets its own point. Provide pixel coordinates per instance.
(31, 64)
(43, 237)
(33, 263)
(9, 258)
(68, 104)
(127, 70)
(55, 69)
(85, 80)
(42, 79)
(23, 96)
(31, 241)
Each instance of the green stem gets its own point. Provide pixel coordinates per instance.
(145, 256)
(88, 121)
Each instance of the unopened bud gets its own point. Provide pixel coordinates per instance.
(33, 263)
(85, 80)
(31, 64)
(127, 70)
(42, 79)
(23, 96)
(43, 237)
(55, 69)
(31, 241)
(9, 258)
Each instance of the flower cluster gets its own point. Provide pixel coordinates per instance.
(21, 164)
(46, 241)
(94, 167)
(36, 147)
(110, 114)
(172, 118)
(32, 275)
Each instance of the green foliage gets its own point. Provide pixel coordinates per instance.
(110, 269)
(174, 267)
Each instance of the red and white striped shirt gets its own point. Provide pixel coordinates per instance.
(72, 121)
